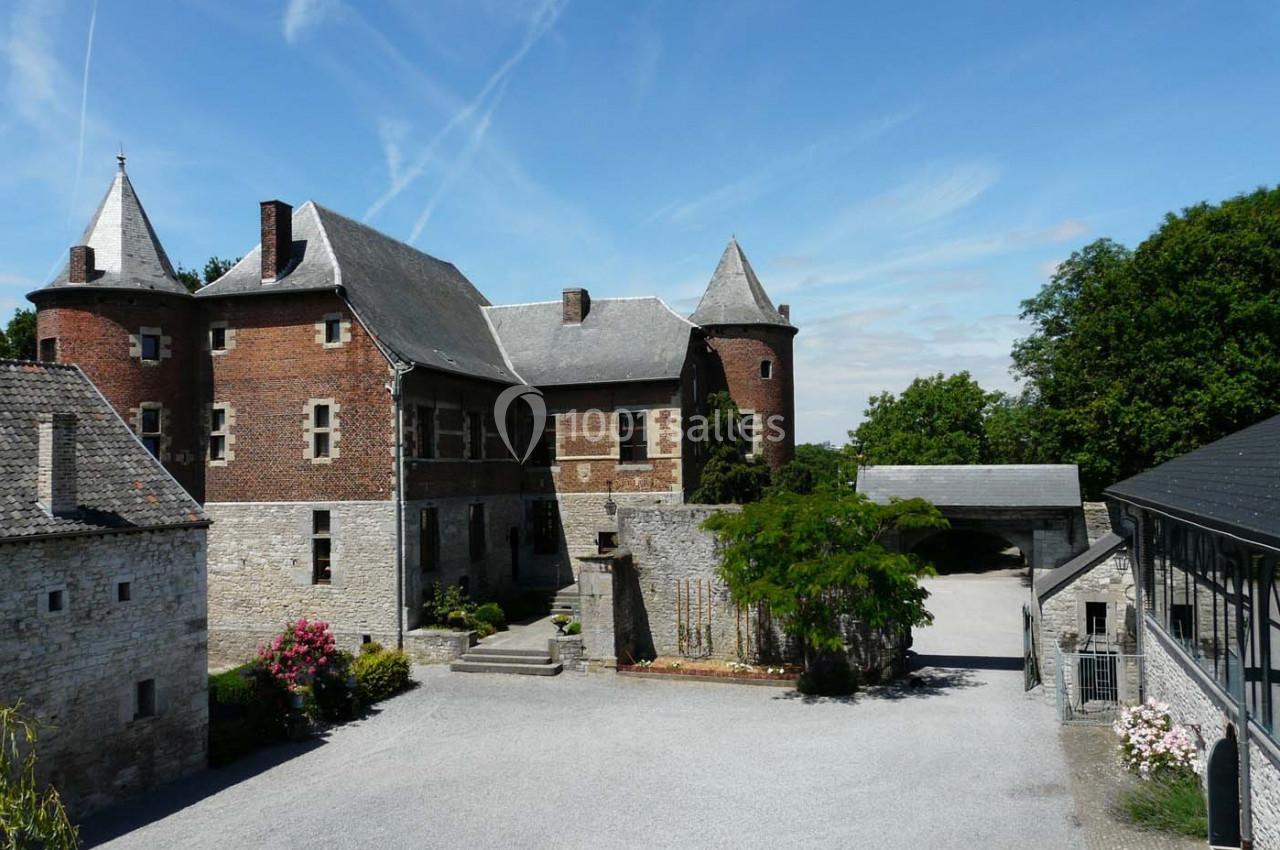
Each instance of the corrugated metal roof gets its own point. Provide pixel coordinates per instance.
(119, 484)
(1232, 484)
(620, 339)
(975, 486)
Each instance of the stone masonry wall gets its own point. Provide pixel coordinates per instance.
(1190, 703)
(260, 574)
(76, 670)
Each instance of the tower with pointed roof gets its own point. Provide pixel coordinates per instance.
(750, 344)
(117, 310)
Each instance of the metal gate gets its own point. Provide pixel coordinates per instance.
(1030, 653)
(1095, 682)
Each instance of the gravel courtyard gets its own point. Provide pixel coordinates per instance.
(968, 760)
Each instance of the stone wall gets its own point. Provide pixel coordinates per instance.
(260, 574)
(583, 517)
(568, 650)
(1192, 701)
(76, 670)
(437, 646)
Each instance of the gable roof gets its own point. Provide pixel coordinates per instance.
(620, 339)
(1106, 546)
(423, 310)
(1232, 484)
(120, 486)
(975, 486)
(734, 296)
(127, 252)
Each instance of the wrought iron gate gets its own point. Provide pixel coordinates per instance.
(1030, 652)
(1094, 683)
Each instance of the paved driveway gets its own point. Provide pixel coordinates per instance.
(591, 761)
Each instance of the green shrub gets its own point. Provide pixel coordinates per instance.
(458, 620)
(31, 813)
(443, 601)
(573, 629)
(491, 613)
(482, 629)
(247, 710)
(1172, 804)
(381, 674)
(370, 648)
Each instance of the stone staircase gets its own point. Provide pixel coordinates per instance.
(500, 659)
(567, 601)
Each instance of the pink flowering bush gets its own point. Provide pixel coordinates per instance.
(304, 652)
(1151, 744)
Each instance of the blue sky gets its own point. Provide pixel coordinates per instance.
(902, 177)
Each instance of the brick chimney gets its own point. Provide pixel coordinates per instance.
(81, 268)
(577, 304)
(277, 238)
(784, 310)
(56, 464)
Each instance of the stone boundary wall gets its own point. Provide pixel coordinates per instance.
(437, 646)
(568, 650)
(1191, 703)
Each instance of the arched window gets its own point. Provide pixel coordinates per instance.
(766, 369)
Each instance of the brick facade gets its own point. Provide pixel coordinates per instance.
(740, 353)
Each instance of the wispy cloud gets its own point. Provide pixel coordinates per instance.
(303, 15)
(774, 175)
(542, 21)
(459, 164)
(84, 108)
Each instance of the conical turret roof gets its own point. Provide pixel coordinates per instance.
(734, 296)
(127, 252)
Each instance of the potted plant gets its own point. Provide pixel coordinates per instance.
(561, 620)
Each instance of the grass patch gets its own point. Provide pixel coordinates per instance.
(1174, 804)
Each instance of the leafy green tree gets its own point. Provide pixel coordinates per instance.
(939, 419)
(814, 560)
(31, 817)
(814, 465)
(18, 339)
(728, 475)
(1139, 356)
(214, 268)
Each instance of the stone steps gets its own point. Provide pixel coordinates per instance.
(499, 659)
(566, 601)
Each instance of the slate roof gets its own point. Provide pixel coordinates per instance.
(1232, 485)
(423, 310)
(620, 339)
(119, 484)
(127, 252)
(1055, 579)
(734, 296)
(976, 486)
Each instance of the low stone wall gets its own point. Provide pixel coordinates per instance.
(1193, 703)
(437, 646)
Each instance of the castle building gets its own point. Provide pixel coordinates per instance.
(331, 399)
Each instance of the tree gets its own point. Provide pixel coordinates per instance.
(214, 268)
(939, 419)
(815, 560)
(728, 476)
(1139, 356)
(18, 339)
(31, 817)
(814, 465)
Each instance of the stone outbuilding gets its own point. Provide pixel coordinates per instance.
(103, 602)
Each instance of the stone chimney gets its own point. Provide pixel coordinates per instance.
(277, 238)
(784, 310)
(577, 304)
(56, 464)
(81, 268)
